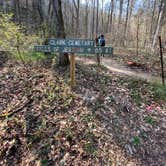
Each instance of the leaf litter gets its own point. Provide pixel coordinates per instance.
(42, 122)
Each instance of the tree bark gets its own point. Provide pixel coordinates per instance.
(120, 22)
(93, 19)
(77, 9)
(160, 18)
(86, 18)
(126, 22)
(17, 11)
(27, 14)
(152, 21)
(60, 30)
(97, 16)
(111, 17)
(108, 18)
(137, 36)
(102, 17)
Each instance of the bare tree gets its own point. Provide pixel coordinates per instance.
(111, 17)
(97, 16)
(60, 30)
(152, 19)
(17, 11)
(160, 18)
(137, 35)
(120, 12)
(102, 15)
(108, 19)
(93, 19)
(77, 9)
(119, 38)
(27, 14)
(86, 18)
(126, 21)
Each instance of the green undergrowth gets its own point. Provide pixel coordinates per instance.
(140, 89)
(14, 40)
(35, 56)
(30, 56)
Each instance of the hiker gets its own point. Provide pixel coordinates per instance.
(102, 42)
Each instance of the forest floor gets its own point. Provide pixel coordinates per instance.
(122, 69)
(107, 119)
(124, 61)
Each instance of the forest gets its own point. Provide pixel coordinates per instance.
(82, 82)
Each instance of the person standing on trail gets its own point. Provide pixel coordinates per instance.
(102, 42)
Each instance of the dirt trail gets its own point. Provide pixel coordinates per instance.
(113, 66)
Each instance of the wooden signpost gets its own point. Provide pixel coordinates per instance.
(73, 46)
(72, 70)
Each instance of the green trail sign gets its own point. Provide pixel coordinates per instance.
(71, 42)
(78, 46)
(74, 49)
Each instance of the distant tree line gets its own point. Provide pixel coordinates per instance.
(125, 23)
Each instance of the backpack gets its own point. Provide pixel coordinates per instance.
(102, 41)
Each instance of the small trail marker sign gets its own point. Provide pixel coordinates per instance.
(72, 46)
(74, 49)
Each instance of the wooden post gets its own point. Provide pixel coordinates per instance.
(162, 62)
(72, 70)
(98, 59)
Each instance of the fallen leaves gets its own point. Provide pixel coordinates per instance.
(44, 121)
(121, 105)
(97, 124)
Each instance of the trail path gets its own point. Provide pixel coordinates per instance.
(113, 66)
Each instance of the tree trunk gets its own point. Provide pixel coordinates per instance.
(152, 21)
(108, 19)
(93, 19)
(60, 30)
(97, 16)
(77, 9)
(102, 17)
(120, 12)
(137, 36)
(17, 11)
(111, 17)
(86, 19)
(120, 22)
(132, 3)
(126, 22)
(27, 14)
(160, 18)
